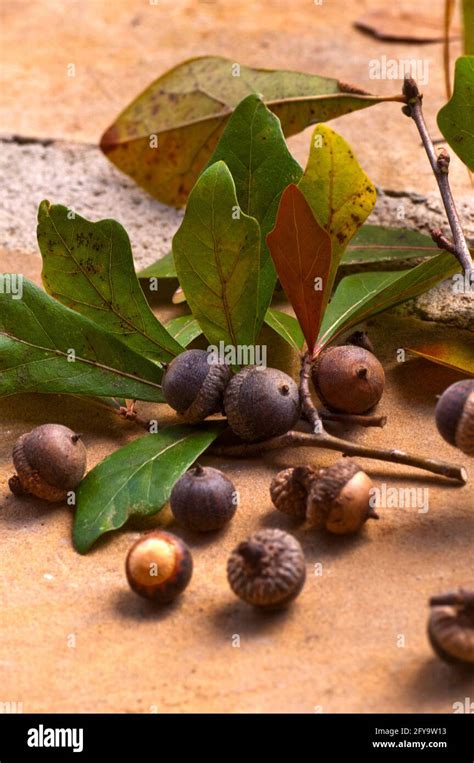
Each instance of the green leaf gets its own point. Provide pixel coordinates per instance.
(376, 243)
(253, 147)
(136, 480)
(287, 327)
(184, 329)
(89, 268)
(45, 347)
(337, 189)
(363, 295)
(216, 251)
(162, 268)
(456, 118)
(449, 351)
(164, 138)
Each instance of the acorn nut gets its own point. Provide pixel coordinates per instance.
(348, 379)
(451, 627)
(289, 490)
(339, 498)
(268, 569)
(454, 415)
(261, 403)
(203, 499)
(193, 385)
(50, 461)
(159, 566)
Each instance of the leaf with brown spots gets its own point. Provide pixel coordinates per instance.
(164, 138)
(337, 190)
(301, 251)
(89, 268)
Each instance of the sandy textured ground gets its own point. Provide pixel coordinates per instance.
(72, 636)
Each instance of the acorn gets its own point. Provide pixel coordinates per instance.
(451, 627)
(194, 384)
(339, 498)
(268, 569)
(159, 566)
(454, 415)
(289, 490)
(348, 379)
(50, 462)
(261, 403)
(203, 499)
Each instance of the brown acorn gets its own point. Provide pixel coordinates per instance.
(348, 379)
(193, 385)
(261, 403)
(451, 627)
(268, 569)
(289, 490)
(455, 415)
(159, 566)
(50, 461)
(339, 498)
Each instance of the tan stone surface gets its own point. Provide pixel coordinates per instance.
(335, 649)
(119, 46)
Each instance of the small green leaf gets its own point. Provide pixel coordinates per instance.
(375, 243)
(45, 347)
(337, 189)
(287, 327)
(165, 137)
(89, 268)
(456, 118)
(162, 268)
(254, 148)
(136, 480)
(184, 329)
(216, 251)
(363, 295)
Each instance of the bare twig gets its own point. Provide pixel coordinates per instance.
(310, 412)
(328, 442)
(440, 166)
(442, 242)
(354, 418)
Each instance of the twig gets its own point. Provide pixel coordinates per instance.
(354, 418)
(440, 166)
(310, 412)
(327, 441)
(442, 242)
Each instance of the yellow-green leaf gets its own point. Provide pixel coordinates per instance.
(337, 189)
(164, 138)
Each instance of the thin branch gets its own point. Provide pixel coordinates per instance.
(310, 412)
(440, 166)
(442, 242)
(328, 442)
(354, 418)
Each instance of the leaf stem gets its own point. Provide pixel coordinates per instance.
(440, 166)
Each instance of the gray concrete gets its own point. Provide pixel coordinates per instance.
(80, 177)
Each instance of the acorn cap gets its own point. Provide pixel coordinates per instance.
(454, 415)
(289, 490)
(193, 386)
(451, 629)
(268, 569)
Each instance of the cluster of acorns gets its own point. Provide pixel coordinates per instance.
(262, 402)
(268, 569)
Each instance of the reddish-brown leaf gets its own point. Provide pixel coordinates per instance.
(301, 252)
